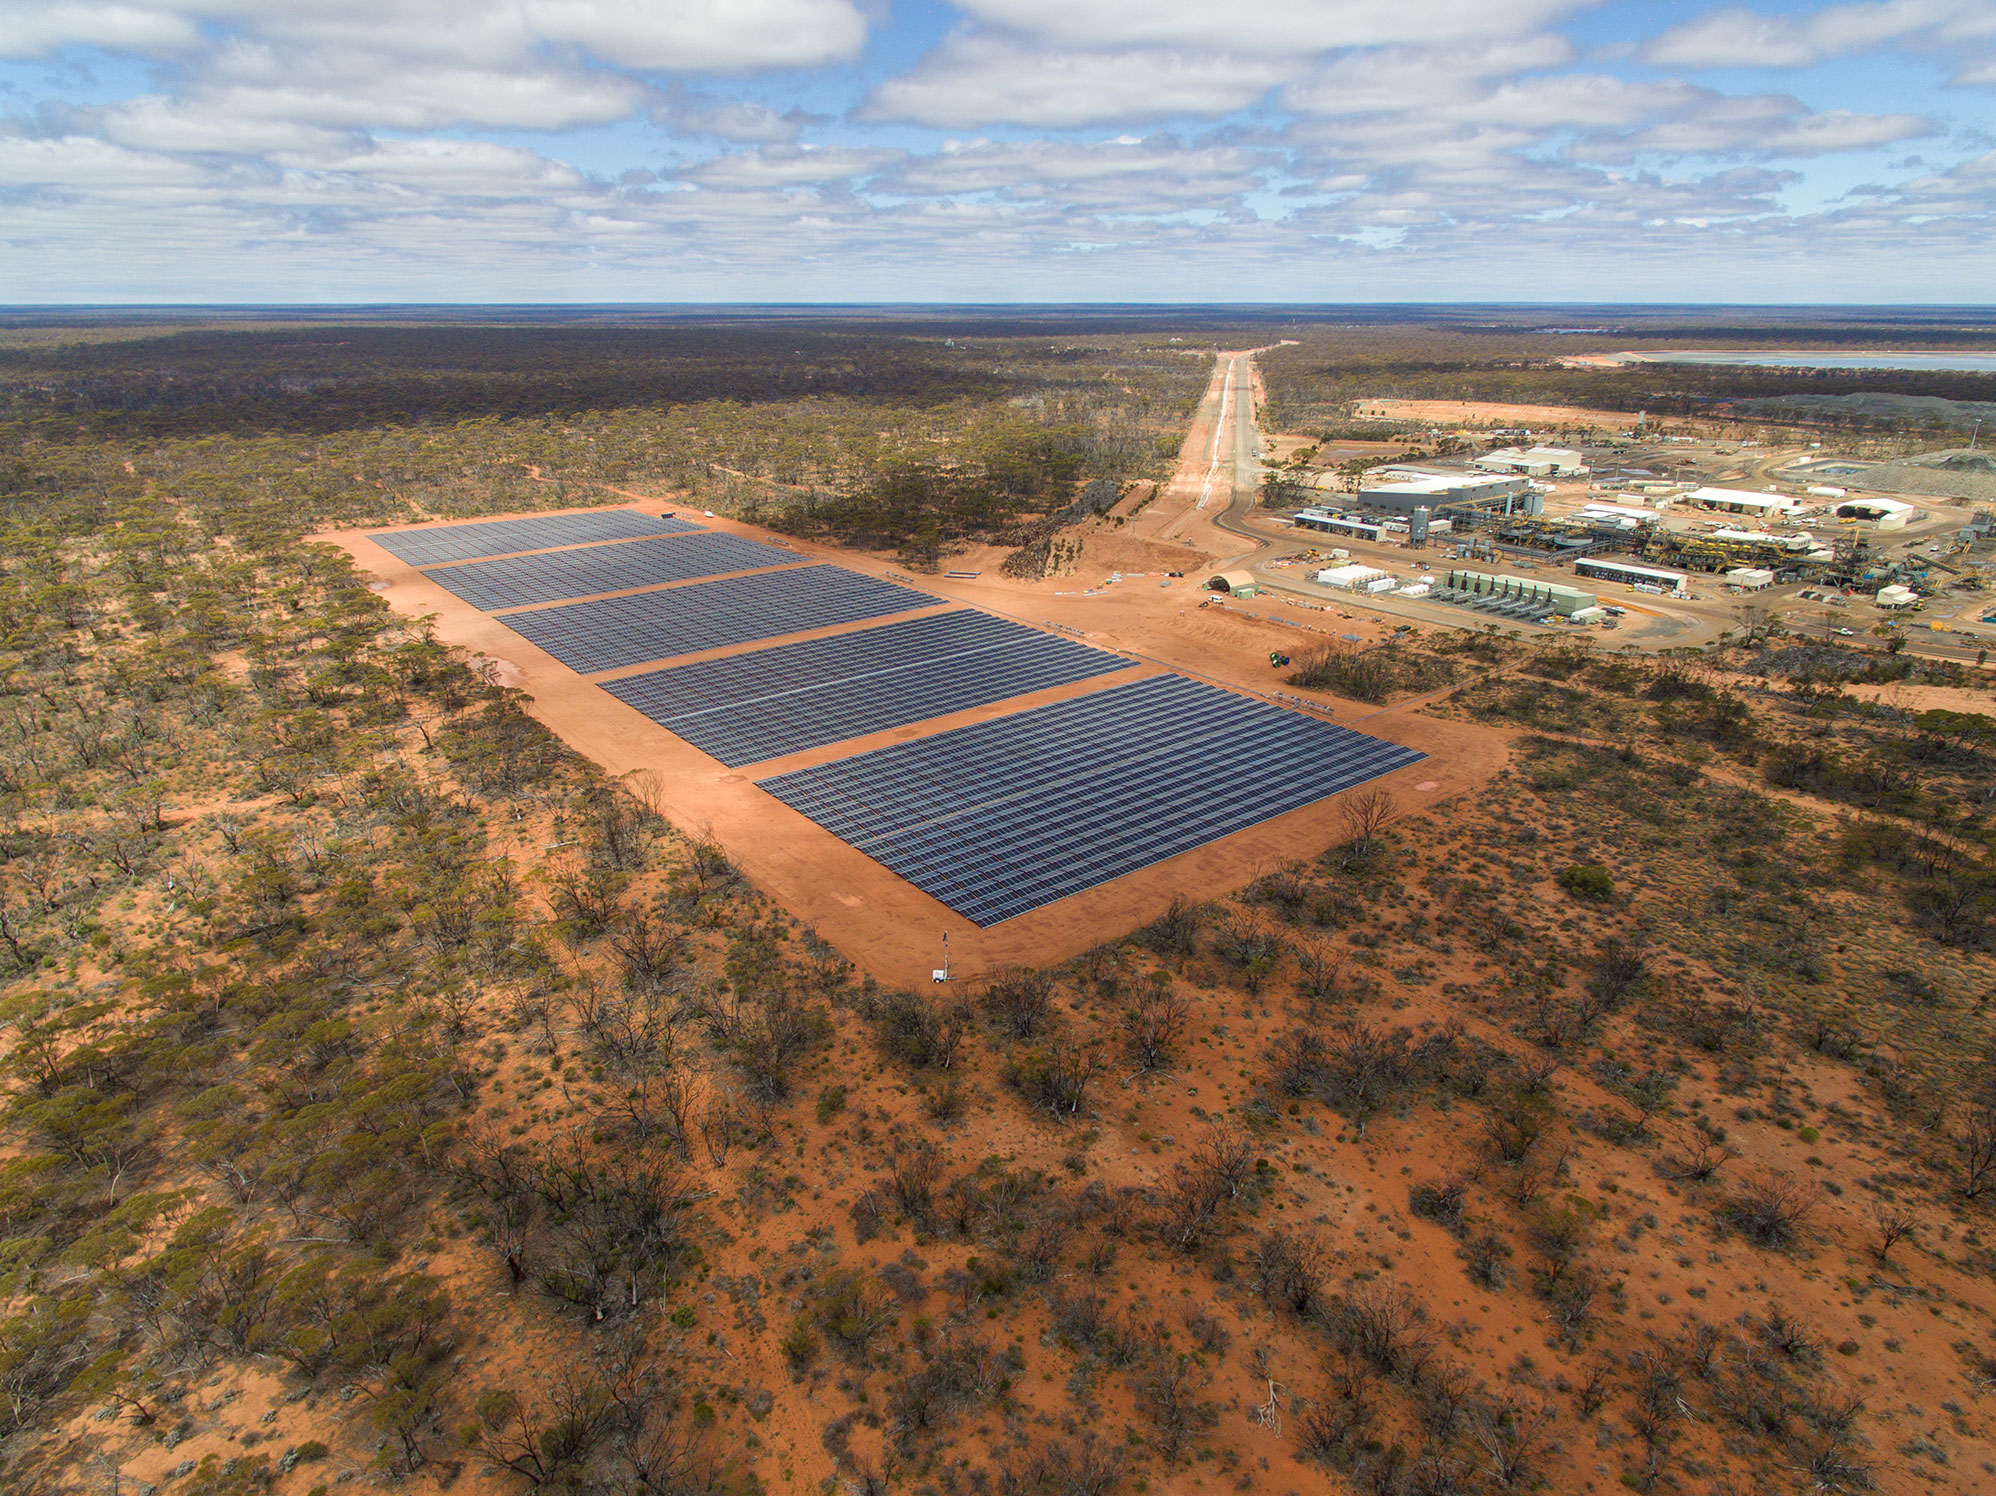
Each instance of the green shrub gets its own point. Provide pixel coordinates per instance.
(1587, 881)
(831, 1101)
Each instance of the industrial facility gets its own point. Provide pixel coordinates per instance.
(1535, 462)
(1643, 578)
(1743, 501)
(1403, 490)
(1355, 578)
(1888, 514)
(1514, 597)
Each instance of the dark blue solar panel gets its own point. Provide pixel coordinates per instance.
(502, 537)
(749, 707)
(516, 581)
(1002, 817)
(611, 632)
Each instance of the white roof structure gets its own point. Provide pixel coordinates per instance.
(1896, 596)
(1593, 510)
(1352, 577)
(1745, 500)
(1872, 508)
(1533, 461)
(1800, 542)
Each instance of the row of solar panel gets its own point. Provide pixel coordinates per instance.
(610, 633)
(503, 537)
(518, 581)
(1003, 817)
(745, 708)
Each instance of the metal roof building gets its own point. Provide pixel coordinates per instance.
(1552, 596)
(1629, 573)
(1744, 501)
(1405, 490)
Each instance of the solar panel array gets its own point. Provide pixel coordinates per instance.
(992, 820)
(501, 537)
(515, 581)
(611, 632)
(748, 707)
(1006, 816)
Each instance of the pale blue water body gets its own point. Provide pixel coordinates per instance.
(1928, 363)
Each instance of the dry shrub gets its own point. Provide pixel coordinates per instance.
(1771, 1209)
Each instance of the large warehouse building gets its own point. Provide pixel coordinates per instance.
(1534, 462)
(1890, 514)
(1745, 501)
(1403, 490)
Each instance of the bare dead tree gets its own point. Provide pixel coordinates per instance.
(1975, 1147)
(1154, 1022)
(1364, 816)
(1895, 1223)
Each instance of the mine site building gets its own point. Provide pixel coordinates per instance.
(1649, 578)
(1403, 490)
(1744, 501)
(1535, 462)
(1234, 584)
(1327, 523)
(1889, 514)
(1750, 578)
(1896, 596)
(1353, 578)
(1530, 597)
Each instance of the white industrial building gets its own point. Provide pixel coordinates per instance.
(1744, 501)
(1353, 578)
(1896, 596)
(1534, 462)
(1403, 490)
(1889, 514)
(1750, 578)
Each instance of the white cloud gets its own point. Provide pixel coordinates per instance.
(982, 80)
(34, 30)
(1156, 176)
(336, 148)
(678, 35)
(745, 120)
(1745, 38)
(1764, 125)
(82, 163)
(752, 171)
(1277, 26)
(452, 166)
(1399, 78)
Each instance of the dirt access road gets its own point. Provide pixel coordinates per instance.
(1218, 464)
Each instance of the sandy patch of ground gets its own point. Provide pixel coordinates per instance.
(1487, 413)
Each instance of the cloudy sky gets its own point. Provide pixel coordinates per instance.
(996, 150)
